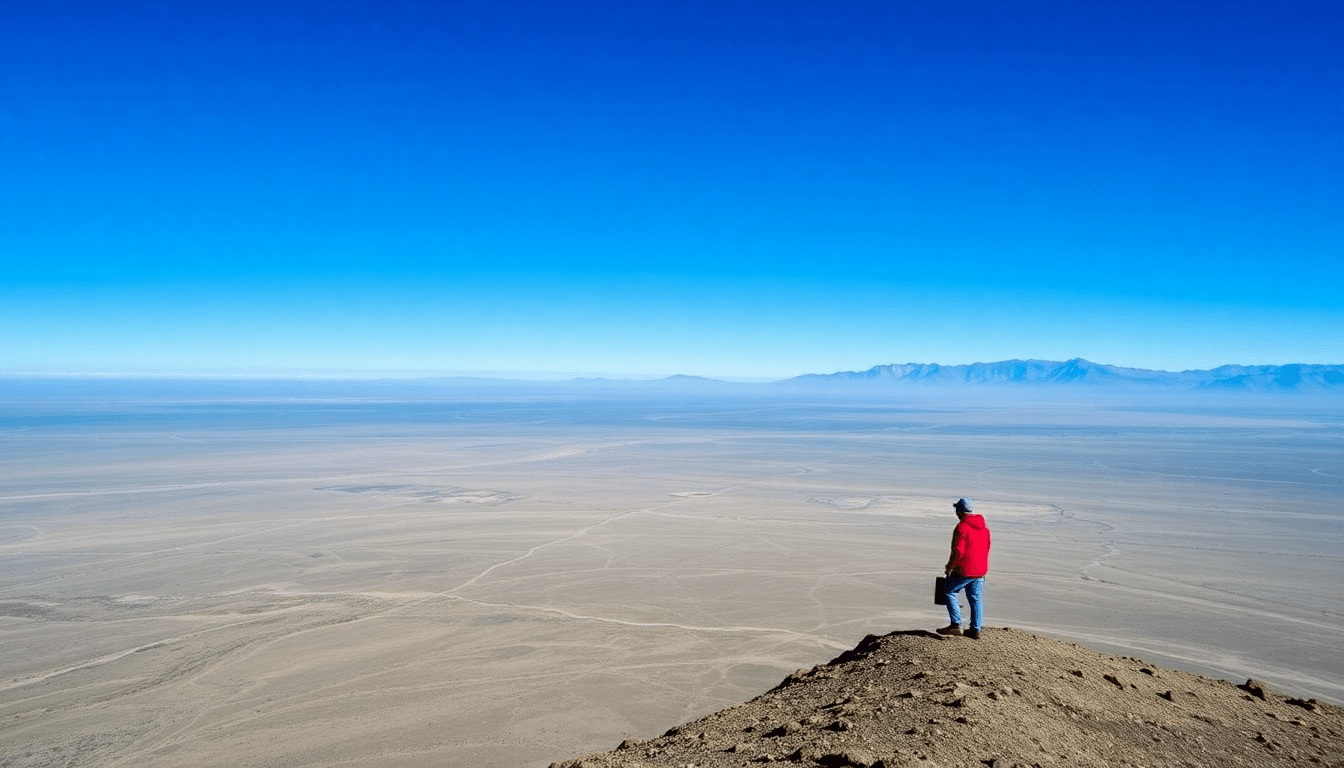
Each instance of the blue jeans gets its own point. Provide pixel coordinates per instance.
(974, 590)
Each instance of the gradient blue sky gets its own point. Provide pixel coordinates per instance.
(718, 187)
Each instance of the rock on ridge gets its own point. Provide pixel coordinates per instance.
(1009, 700)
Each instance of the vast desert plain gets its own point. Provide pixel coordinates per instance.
(511, 578)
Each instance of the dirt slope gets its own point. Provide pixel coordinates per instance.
(1009, 699)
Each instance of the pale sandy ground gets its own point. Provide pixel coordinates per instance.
(515, 592)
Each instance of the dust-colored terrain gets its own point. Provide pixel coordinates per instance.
(510, 583)
(1010, 699)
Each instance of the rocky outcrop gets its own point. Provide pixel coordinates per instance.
(1008, 700)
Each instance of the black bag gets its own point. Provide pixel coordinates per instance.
(940, 590)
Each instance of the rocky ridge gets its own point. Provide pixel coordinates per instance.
(1009, 700)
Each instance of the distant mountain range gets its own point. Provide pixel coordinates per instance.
(907, 378)
(1084, 372)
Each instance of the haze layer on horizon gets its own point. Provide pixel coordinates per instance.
(710, 188)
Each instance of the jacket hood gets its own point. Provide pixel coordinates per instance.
(975, 521)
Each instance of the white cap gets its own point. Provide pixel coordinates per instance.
(966, 504)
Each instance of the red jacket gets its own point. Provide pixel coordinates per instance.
(970, 547)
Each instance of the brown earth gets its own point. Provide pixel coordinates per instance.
(1008, 700)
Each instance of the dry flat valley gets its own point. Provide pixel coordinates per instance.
(513, 580)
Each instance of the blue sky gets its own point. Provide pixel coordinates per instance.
(726, 188)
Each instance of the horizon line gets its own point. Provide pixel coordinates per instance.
(358, 374)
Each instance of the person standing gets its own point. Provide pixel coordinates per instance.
(966, 568)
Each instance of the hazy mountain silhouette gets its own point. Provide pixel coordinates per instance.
(1085, 372)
